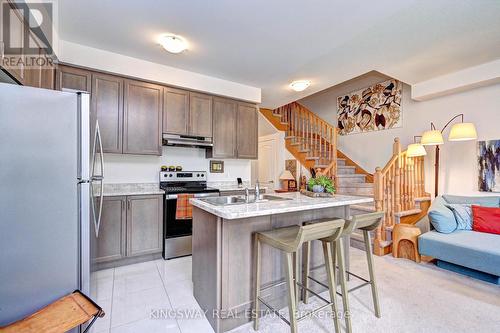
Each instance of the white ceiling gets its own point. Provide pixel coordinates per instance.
(269, 43)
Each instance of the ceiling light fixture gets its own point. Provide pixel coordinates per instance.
(173, 43)
(300, 85)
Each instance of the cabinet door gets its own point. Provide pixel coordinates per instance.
(175, 111)
(110, 245)
(200, 115)
(247, 131)
(73, 78)
(142, 118)
(15, 65)
(107, 108)
(144, 224)
(224, 128)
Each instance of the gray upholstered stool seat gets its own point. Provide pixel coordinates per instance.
(289, 240)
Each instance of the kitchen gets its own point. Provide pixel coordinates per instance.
(145, 149)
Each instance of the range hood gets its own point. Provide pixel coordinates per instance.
(187, 141)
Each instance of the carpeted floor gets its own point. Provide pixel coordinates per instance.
(413, 298)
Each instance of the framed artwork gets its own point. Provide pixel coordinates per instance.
(488, 158)
(217, 166)
(291, 165)
(374, 108)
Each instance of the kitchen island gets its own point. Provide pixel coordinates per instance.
(223, 262)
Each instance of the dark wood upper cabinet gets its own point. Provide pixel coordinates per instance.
(16, 31)
(175, 111)
(142, 118)
(224, 129)
(200, 115)
(107, 108)
(73, 78)
(247, 131)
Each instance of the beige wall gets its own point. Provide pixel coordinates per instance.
(458, 172)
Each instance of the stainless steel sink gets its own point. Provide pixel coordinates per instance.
(224, 201)
(268, 197)
(239, 200)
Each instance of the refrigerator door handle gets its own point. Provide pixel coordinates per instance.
(100, 178)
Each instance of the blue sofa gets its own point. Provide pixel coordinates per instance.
(468, 252)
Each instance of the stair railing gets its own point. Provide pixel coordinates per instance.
(396, 187)
(313, 135)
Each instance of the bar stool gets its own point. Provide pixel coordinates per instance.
(289, 240)
(366, 223)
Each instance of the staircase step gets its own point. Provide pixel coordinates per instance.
(321, 166)
(363, 189)
(290, 137)
(346, 179)
(346, 170)
(340, 162)
(312, 158)
(363, 208)
(295, 144)
(408, 212)
(304, 150)
(283, 123)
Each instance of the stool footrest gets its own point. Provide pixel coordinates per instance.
(327, 303)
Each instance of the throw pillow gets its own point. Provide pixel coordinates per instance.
(463, 215)
(486, 219)
(442, 217)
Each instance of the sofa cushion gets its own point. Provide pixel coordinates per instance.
(486, 219)
(476, 250)
(491, 201)
(463, 215)
(442, 217)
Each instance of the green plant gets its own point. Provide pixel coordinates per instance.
(324, 181)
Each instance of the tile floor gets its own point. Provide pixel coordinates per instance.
(133, 295)
(414, 298)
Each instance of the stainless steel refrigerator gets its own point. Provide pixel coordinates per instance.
(49, 162)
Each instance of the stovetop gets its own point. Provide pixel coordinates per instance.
(174, 182)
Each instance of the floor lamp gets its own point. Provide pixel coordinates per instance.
(459, 132)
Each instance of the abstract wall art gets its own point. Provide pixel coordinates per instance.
(371, 109)
(489, 165)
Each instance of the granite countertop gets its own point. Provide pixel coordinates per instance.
(129, 189)
(299, 202)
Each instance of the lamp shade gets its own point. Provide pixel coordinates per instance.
(286, 175)
(432, 138)
(415, 149)
(463, 132)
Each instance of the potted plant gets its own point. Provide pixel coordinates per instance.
(321, 184)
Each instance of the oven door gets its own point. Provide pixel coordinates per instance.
(178, 232)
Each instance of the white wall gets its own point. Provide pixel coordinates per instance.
(144, 169)
(120, 64)
(458, 172)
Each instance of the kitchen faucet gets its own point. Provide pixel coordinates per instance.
(257, 191)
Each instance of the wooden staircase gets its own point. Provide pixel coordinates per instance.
(397, 189)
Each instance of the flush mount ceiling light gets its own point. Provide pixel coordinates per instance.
(300, 85)
(173, 43)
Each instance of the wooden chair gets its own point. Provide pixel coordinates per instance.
(366, 223)
(60, 316)
(289, 240)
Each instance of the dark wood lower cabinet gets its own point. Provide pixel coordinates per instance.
(110, 243)
(131, 227)
(144, 224)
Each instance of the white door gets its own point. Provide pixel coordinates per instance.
(267, 164)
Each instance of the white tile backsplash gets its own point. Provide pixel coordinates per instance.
(124, 168)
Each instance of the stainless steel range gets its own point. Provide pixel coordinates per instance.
(178, 232)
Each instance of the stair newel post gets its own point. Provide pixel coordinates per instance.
(335, 137)
(303, 122)
(397, 179)
(378, 197)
